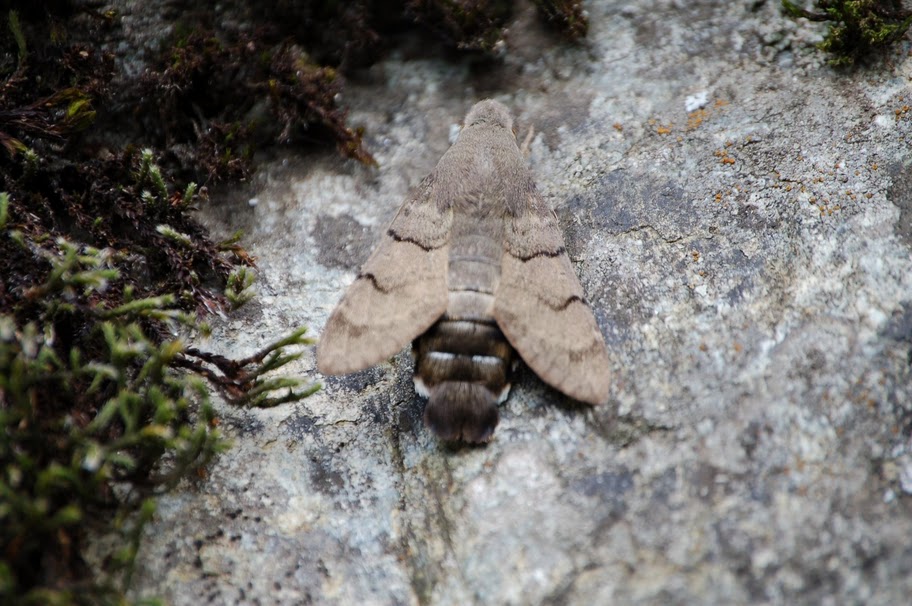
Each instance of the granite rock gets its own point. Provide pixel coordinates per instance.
(750, 264)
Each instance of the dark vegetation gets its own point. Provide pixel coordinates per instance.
(857, 28)
(104, 273)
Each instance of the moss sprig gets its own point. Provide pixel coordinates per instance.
(239, 289)
(250, 381)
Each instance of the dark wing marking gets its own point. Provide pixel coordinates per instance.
(399, 293)
(540, 307)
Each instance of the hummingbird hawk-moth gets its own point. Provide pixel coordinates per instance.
(472, 271)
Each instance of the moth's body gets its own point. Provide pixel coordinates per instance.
(463, 362)
(473, 269)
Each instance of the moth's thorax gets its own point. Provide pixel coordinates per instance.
(480, 173)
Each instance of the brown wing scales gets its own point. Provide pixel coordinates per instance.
(399, 293)
(540, 307)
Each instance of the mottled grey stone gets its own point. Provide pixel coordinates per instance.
(900, 194)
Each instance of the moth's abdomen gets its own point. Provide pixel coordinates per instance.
(463, 367)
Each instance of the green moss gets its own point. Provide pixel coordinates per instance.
(16, 30)
(82, 416)
(857, 28)
(102, 408)
(99, 414)
(239, 289)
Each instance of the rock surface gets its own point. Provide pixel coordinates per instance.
(741, 219)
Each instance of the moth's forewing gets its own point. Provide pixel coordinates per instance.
(540, 305)
(399, 293)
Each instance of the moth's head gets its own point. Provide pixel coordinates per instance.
(489, 112)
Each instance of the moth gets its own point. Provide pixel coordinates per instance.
(472, 271)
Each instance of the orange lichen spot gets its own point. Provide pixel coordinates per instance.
(695, 254)
(874, 166)
(724, 158)
(721, 103)
(617, 126)
(718, 197)
(663, 130)
(695, 118)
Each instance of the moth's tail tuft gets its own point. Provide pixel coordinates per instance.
(460, 411)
